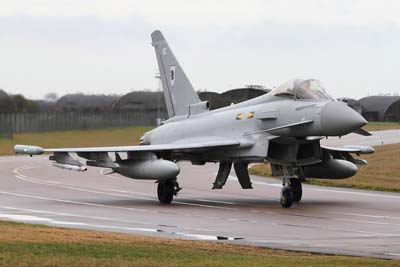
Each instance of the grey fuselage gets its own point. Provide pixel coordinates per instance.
(242, 121)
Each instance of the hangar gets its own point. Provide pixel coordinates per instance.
(381, 108)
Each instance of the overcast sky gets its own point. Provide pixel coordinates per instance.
(98, 46)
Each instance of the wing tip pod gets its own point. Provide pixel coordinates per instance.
(351, 149)
(28, 150)
(362, 149)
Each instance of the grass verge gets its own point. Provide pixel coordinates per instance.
(36, 245)
(76, 138)
(379, 126)
(382, 172)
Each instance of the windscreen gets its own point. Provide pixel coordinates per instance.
(301, 89)
(311, 89)
(285, 90)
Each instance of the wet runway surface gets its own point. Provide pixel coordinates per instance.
(329, 220)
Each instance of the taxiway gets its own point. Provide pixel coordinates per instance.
(328, 220)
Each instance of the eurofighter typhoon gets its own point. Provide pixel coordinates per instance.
(283, 128)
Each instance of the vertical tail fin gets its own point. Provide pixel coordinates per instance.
(178, 91)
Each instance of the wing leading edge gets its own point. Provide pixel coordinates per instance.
(181, 146)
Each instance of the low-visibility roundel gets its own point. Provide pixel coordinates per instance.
(172, 75)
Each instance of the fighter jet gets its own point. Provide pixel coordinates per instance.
(283, 128)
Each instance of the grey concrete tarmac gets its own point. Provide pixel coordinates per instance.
(378, 138)
(328, 220)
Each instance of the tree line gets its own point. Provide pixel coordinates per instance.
(16, 103)
(133, 101)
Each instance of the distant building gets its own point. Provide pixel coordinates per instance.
(381, 108)
(232, 96)
(141, 100)
(354, 104)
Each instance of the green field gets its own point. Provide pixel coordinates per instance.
(381, 173)
(36, 245)
(77, 138)
(379, 126)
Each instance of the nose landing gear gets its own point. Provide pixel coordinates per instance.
(286, 197)
(297, 190)
(292, 190)
(166, 190)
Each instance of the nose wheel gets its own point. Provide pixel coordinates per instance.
(286, 197)
(292, 190)
(166, 190)
(297, 190)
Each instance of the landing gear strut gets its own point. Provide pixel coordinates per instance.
(292, 189)
(166, 190)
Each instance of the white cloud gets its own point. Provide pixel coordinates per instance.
(211, 11)
(92, 46)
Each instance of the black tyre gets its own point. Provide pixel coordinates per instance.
(297, 190)
(165, 191)
(286, 197)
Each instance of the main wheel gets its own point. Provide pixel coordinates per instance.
(286, 197)
(297, 191)
(165, 191)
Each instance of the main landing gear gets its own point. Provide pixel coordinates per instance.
(292, 190)
(166, 190)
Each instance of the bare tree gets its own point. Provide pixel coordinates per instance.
(51, 97)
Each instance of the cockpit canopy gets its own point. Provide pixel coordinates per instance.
(301, 89)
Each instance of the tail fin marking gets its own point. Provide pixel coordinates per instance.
(178, 91)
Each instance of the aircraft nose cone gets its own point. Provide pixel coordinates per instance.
(339, 119)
